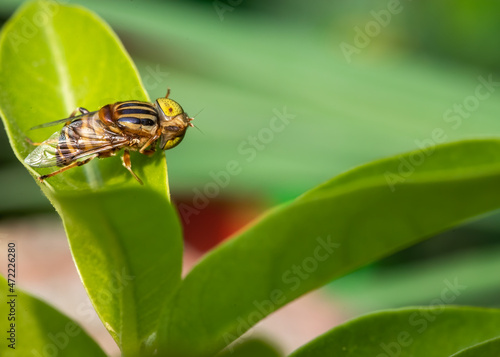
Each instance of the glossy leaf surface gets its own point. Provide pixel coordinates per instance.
(413, 332)
(352, 220)
(125, 238)
(39, 329)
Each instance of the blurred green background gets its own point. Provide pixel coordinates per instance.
(359, 80)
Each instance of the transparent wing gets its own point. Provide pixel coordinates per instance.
(44, 154)
(77, 140)
(62, 121)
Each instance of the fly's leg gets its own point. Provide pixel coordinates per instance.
(31, 142)
(62, 169)
(75, 112)
(128, 165)
(79, 109)
(45, 142)
(151, 151)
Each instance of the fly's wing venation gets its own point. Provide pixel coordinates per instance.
(44, 154)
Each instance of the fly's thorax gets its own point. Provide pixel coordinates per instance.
(135, 118)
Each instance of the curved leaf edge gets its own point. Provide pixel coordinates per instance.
(343, 179)
(491, 346)
(16, 136)
(21, 294)
(383, 313)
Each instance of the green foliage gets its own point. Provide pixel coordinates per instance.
(403, 98)
(126, 239)
(431, 332)
(487, 348)
(348, 222)
(250, 348)
(40, 328)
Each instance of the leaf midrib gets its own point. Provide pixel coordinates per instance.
(61, 68)
(64, 78)
(128, 337)
(129, 341)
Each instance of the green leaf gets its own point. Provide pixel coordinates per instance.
(350, 221)
(426, 331)
(125, 238)
(250, 348)
(488, 348)
(39, 329)
(403, 93)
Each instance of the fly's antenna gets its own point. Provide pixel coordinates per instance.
(194, 126)
(194, 116)
(191, 124)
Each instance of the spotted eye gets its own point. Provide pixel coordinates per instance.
(169, 107)
(172, 128)
(147, 122)
(129, 120)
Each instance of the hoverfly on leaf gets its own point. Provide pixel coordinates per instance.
(131, 125)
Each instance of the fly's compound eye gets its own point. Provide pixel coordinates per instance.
(169, 107)
(172, 142)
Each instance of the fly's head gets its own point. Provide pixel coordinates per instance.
(173, 122)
